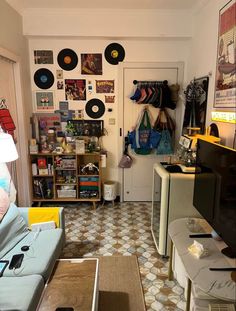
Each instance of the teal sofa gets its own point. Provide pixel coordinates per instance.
(21, 289)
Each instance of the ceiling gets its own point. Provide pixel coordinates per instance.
(21, 5)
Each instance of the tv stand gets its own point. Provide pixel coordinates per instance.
(216, 284)
(227, 251)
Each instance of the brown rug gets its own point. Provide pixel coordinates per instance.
(120, 286)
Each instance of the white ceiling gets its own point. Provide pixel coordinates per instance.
(21, 5)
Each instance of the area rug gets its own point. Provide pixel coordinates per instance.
(120, 286)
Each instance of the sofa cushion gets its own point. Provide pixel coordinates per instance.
(12, 229)
(21, 293)
(41, 256)
(4, 203)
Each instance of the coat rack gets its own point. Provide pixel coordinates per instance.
(149, 82)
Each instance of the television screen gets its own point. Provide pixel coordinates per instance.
(215, 190)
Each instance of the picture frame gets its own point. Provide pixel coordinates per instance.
(225, 82)
(44, 101)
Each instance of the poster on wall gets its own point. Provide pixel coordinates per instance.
(225, 88)
(43, 57)
(75, 89)
(44, 101)
(104, 86)
(91, 64)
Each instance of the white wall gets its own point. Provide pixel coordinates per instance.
(202, 59)
(108, 23)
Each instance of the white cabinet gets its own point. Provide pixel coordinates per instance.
(172, 197)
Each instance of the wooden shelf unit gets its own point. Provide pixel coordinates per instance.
(65, 180)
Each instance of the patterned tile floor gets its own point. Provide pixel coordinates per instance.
(123, 230)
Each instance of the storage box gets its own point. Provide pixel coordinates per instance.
(66, 193)
(43, 171)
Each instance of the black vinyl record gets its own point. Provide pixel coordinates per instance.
(114, 53)
(43, 78)
(67, 59)
(95, 108)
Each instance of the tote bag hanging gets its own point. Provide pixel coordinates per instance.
(140, 137)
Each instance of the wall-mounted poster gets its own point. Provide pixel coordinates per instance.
(75, 89)
(91, 64)
(225, 88)
(105, 86)
(43, 57)
(44, 101)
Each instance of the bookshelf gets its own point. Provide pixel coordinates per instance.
(65, 177)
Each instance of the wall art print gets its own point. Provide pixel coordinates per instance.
(91, 64)
(105, 86)
(44, 101)
(75, 89)
(225, 88)
(43, 56)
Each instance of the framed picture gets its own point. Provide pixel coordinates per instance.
(225, 87)
(44, 101)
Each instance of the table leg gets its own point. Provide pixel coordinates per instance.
(170, 271)
(189, 285)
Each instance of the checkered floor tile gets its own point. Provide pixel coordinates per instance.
(123, 230)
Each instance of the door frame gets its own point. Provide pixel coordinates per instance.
(22, 168)
(121, 73)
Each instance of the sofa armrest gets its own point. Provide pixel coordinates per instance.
(24, 211)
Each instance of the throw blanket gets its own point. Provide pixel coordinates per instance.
(44, 214)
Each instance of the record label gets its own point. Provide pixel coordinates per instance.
(67, 59)
(114, 53)
(95, 108)
(43, 78)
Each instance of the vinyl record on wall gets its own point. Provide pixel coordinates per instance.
(43, 78)
(67, 59)
(95, 108)
(114, 53)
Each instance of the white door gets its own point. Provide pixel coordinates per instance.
(137, 180)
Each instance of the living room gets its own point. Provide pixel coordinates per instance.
(154, 37)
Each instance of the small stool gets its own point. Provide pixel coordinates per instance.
(109, 191)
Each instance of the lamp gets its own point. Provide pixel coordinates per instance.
(8, 152)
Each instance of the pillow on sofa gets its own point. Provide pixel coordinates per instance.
(12, 229)
(4, 203)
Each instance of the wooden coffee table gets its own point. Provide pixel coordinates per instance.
(73, 284)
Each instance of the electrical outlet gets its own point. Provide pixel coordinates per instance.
(112, 121)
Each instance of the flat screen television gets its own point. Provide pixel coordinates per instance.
(215, 191)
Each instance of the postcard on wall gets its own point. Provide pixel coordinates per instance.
(60, 84)
(59, 74)
(91, 64)
(43, 57)
(75, 89)
(44, 101)
(105, 86)
(225, 88)
(109, 99)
